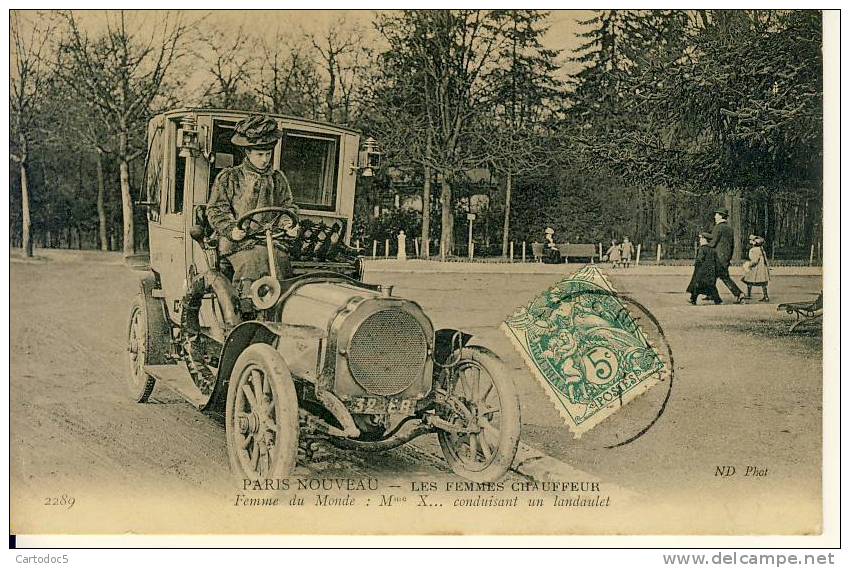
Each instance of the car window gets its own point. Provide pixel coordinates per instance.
(310, 163)
(177, 179)
(153, 175)
(224, 153)
(176, 204)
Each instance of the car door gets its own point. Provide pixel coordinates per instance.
(170, 235)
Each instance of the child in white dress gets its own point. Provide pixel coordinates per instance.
(756, 269)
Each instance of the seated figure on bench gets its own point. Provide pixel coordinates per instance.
(251, 185)
(551, 252)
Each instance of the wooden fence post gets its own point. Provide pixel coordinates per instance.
(637, 255)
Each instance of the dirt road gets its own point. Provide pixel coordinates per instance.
(747, 393)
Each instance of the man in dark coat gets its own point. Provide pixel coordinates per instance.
(723, 242)
(704, 279)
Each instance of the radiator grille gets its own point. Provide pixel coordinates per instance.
(387, 352)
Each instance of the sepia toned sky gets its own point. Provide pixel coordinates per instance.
(561, 35)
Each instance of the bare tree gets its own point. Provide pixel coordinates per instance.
(287, 79)
(120, 74)
(435, 89)
(339, 49)
(228, 63)
(27, 88)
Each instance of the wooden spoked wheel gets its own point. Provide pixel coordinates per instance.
(261, 417)
(482, 402)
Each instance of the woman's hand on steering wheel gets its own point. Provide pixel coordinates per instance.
(252, 226)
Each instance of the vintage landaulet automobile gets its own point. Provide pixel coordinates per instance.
(321, 355)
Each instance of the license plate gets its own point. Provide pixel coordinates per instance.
(381, 405)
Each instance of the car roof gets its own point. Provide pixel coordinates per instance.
(231, 113)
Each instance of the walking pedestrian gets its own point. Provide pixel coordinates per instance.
(723, 242)
(613, 253)
(756, 269)
(704, 278)
(628, 250)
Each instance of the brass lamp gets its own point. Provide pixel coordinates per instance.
(369, 158)
(187, 137)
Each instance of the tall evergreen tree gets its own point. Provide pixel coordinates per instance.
(526, 94)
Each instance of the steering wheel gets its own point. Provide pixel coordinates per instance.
(254, 228)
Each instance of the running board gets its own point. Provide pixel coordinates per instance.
(177, 378)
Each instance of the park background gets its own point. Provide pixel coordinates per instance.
(600, 124)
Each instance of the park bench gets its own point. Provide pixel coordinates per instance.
(567, 251)
(537, 251)
(588, 251)
(804, 311)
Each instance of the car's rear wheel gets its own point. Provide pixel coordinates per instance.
(481, 400)
(261, 416)
(139, 382)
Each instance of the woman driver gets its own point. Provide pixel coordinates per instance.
(248, 186)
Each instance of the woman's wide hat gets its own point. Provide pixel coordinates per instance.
(722, 211)
(260, 132)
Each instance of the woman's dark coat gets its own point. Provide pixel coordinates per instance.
(704, 279)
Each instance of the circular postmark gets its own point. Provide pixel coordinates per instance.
(606, 358)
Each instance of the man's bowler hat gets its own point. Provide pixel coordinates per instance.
(260, 132)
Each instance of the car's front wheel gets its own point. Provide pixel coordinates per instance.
(483, 405)
(261, 416)
(138, 381)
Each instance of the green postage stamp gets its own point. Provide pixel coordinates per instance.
(580, 340)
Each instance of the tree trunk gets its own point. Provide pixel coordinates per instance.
(447, 240)
(811, 214)
(126, 197)
(733, 204)
(426, 214)
(506, 228)
(331, 92)
(662, 227)
(26, 225)
(101, 210)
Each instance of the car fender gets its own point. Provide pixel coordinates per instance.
(243, 335)
(448, 340)
(159, 348)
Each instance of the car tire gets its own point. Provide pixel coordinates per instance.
(261, 416)
(466, 457)
(139, 382)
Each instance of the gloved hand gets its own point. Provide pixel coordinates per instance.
(237, 234)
